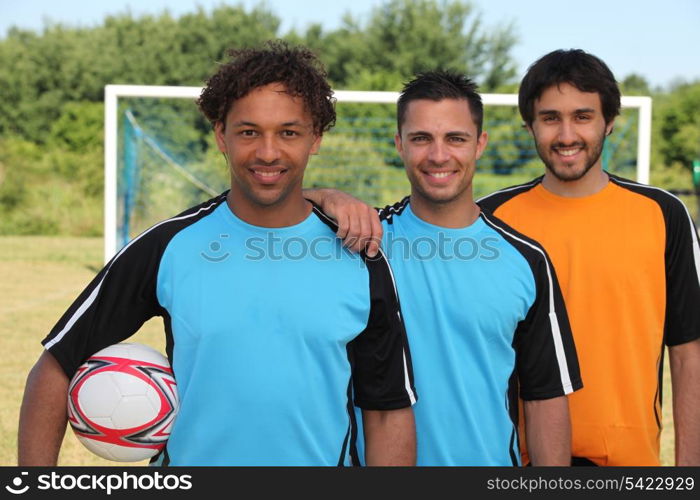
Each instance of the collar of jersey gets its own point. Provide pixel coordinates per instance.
(566, 201)
(302, 227)
(428, 229)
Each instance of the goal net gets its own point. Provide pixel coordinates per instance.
(160, 156)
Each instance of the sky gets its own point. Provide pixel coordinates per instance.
(659, 40)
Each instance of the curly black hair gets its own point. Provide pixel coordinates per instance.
(296, 67)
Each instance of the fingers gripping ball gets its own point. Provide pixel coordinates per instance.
(122, 402)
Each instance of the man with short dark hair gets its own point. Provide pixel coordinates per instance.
(482, 305)
(628, 259)
(270, 351)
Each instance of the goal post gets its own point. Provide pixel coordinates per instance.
(113, 94)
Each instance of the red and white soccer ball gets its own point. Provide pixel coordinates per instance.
(122, 402)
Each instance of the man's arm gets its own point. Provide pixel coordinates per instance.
(685, 374)
(358, 223)
(43, 416)
(548, 431)
(390, 437)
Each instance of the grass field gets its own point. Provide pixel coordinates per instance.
(39, 278)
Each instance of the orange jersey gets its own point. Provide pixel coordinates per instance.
(628, 264)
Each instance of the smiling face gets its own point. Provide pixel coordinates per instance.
(439, 145)
(569, 131)
(267, 139)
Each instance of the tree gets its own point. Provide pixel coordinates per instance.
(39, 74)
(679, 125)
(635, 84)
(404, 37)
(53, 83)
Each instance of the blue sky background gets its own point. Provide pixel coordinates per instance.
(658, 39)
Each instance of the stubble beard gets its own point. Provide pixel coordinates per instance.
(566, 175)
(257, 196)
(440, 200)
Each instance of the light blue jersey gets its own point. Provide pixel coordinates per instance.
(271, 333)
(484, 313)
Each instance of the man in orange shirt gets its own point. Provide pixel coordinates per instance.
(628, 261)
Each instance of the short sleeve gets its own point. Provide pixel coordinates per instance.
(110, 309)
(122, 297)
(682, 274)
(380, 356)
(547, 364)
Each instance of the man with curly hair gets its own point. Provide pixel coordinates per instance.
(274, 331)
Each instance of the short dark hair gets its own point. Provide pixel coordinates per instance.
(584, 71)
(295, 67)
(436, 86)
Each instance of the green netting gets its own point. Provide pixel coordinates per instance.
(168, 160)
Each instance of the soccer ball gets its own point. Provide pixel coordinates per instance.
(122, 402)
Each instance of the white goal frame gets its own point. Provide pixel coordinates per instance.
(114, 92)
